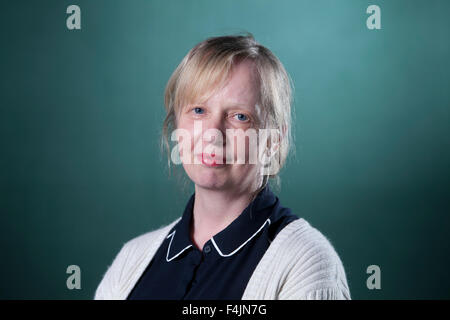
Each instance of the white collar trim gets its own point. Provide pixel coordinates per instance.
(214, 243)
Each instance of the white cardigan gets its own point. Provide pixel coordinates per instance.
(300, 263)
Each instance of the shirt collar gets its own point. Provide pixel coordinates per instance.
(235, 236)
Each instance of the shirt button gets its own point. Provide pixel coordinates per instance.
(206, 249)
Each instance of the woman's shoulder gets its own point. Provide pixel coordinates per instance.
(300, 235)
(310, 246)
(132, 257)
(312, 259)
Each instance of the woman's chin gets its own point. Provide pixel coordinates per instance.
(208, 180)
(210, 184)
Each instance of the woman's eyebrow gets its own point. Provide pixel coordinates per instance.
(239, 105)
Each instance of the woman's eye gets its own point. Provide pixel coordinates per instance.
(241, 117)
(198, 110)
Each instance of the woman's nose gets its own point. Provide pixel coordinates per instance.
(214, 126)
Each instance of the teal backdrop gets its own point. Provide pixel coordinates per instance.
(81, 112)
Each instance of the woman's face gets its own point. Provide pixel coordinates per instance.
(232, 107)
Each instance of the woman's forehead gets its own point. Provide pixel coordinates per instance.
(241, 89)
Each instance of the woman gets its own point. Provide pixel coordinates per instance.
(234, 240)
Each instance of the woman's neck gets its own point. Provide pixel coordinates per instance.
(214, 210)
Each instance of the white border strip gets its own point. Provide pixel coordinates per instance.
(230, 254)
(168, 249)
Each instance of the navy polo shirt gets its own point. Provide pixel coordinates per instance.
(179, 270)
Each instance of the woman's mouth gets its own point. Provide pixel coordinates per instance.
(209, 160)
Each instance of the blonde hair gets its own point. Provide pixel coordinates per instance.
(207, 67)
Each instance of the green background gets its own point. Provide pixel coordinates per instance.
(81, 111)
